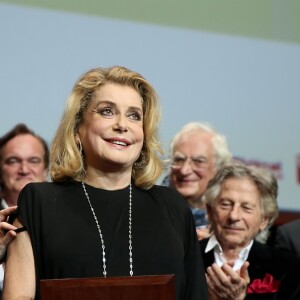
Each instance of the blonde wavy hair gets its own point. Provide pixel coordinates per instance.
(66, 160)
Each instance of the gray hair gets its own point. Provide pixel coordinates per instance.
(221, 150)
(264, 180)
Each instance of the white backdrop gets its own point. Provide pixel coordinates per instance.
(247, 88)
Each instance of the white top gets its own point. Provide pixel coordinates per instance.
(220, 259)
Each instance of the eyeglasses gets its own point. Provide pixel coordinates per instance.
(196, 163)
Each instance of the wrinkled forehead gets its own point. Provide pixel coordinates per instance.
(194, 144)
(242, 189)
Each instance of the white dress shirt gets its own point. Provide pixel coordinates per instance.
(220, 258)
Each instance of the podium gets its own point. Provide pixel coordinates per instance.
(150, 287)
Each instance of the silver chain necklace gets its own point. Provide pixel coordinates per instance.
(101, 235)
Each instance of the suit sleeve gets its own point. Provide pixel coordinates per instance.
(282, 240)
(287, 237)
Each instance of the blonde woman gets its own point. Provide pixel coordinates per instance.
(103, 215)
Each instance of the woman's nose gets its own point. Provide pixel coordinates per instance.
(121, 124)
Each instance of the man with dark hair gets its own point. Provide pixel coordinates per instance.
(24, 158)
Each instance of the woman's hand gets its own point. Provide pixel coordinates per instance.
(7, 233)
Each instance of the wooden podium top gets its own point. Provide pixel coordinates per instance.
(158, 287)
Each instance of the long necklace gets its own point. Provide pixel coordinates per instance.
(101, 235)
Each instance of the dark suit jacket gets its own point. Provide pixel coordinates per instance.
(283, 268)
(287, 237)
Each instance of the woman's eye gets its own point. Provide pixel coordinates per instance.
(106, 111)
(135, 116)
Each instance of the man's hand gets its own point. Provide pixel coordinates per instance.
(7, 233)
(226, 284)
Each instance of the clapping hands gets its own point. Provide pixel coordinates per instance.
(226, 284)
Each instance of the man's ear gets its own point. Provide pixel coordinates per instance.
(209, 212)
(264, 224)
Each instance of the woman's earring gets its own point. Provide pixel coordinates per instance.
(80, 146)
(140, 163)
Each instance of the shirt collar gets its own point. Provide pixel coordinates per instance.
(213, 244)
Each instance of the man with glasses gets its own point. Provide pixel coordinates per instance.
(197, 152)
